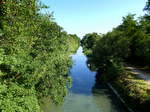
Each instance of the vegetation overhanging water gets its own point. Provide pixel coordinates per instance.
(85, 95)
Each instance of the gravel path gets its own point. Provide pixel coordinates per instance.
(141, 74)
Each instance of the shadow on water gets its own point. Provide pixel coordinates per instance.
(105, 98)
(85, 95)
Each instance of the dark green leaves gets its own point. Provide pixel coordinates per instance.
(34, 56)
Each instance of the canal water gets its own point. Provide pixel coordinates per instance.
(85, 95)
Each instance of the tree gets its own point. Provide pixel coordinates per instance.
(89, 40)
(34, 56)
(147, 7)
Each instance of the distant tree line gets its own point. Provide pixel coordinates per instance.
(34, 56)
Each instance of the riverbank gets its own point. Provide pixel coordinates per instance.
(134, 91)
(119, 97)
(34, 56)
(131, 85)
(108, 53)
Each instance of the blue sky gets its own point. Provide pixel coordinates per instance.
(86, 16)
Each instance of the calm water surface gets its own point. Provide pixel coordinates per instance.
(85, 95)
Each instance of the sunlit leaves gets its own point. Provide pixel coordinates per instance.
(34, 56)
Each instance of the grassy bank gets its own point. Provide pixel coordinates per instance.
(134, 91)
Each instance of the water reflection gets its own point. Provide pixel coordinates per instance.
(85, 95)
(90, 63)
(83, 78)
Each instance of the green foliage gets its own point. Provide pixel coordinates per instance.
(73, 43)
(89, 40)
(127, 43)
(34, 56)
(16, 98)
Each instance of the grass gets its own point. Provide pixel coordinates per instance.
(135, 92)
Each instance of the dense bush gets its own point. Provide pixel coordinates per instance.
(89, 41)
(34, 56)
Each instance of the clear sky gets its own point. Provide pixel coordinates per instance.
(86, 16)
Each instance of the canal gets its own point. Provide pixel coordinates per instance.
(85, 95)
